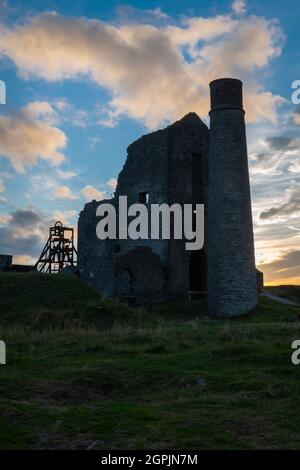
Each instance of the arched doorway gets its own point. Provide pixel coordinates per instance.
(140, 273)
(127, 287)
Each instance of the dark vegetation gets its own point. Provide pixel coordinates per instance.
(84, 372)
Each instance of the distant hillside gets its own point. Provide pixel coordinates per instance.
(289, 292)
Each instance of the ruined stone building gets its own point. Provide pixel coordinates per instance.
(183, 163)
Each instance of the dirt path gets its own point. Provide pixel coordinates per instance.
(282, 300)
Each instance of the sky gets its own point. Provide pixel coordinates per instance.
(84, 79)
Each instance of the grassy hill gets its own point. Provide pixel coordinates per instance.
(42, 301)
(86, 372)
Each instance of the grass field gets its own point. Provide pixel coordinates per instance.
(86, 373)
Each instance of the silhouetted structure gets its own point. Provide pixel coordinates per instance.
(232, 288)
(175, 165)
(7, 265)
(59, 251)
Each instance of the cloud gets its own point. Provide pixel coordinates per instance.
(64, 192)
(282, 143)
(89, 193)
(294, 228)
(66, 174)
(129, 14)
(112, 183)
(62, 104)
(67, 112)
(295, 167)
(50, 184)
(5, 9)
(65, 216)
(2, 188)
(58, 112)
(40, 109)
(80, 118)
(154, 73)
(93, 141)
(239, 7)
(21, 218)
(24, 231)
(275, 154)
(289, 208)
(296, 115)
(273, 158)
(284, 269)
(25, 138)
(4, 219)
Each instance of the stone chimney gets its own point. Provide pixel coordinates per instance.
(232, 289)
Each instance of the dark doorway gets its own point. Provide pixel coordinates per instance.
(198, 271)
